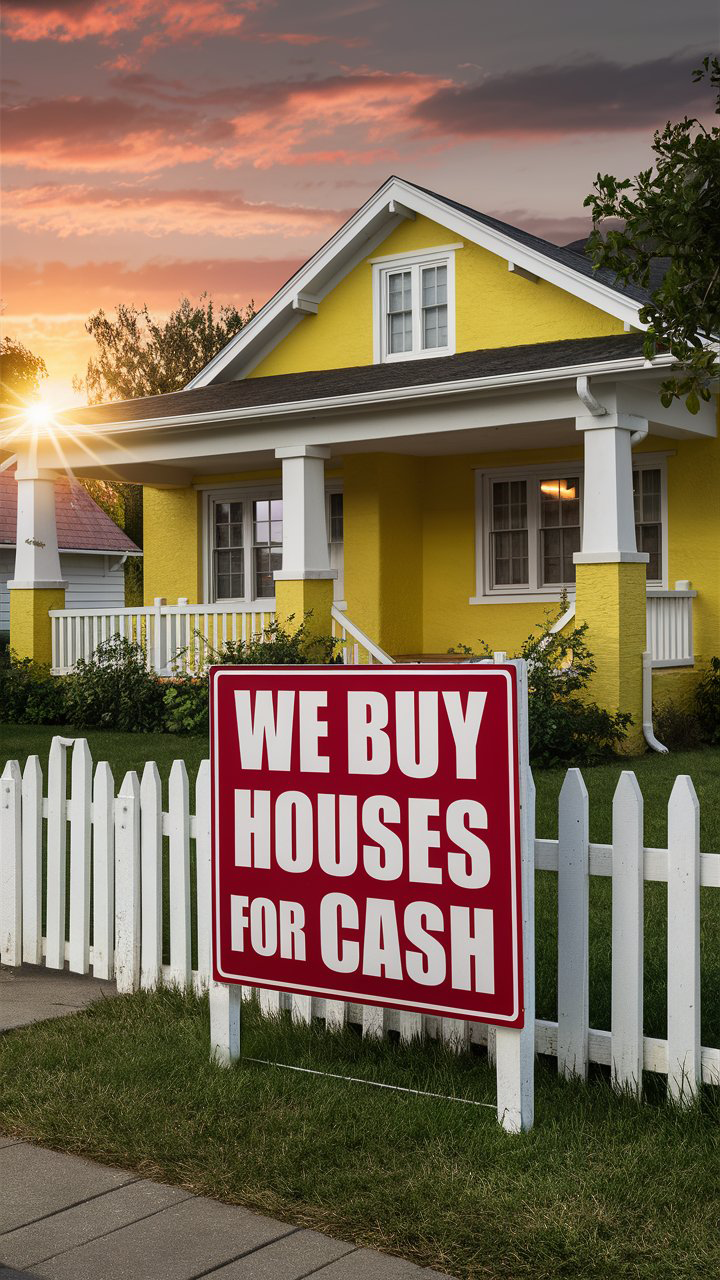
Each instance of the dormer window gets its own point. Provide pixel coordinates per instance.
(414, 305)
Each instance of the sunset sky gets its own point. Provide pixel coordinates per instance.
(158, 149)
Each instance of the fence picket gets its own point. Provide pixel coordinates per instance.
(127, 884)
(683, 942)
(103, 872)
(179, 832)
(302, 1009)
(32, 848)
(573, 926)
(411, 1026)
(11, 864)
(627, 935)
(151, 863)
(335, 1014)
(80, 823)
(56, 856)
(203, 881)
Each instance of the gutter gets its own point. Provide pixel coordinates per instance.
(371, 399)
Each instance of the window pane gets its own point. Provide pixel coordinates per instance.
(336, 517)
(400, 332)
(510, 559)
(399, 291)
(649, 539)
(434, 327)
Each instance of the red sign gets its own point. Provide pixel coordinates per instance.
(366, 835)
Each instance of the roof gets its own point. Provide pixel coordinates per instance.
(370, 226)
(249, 393)
(659, 267)
(568, 255)
(81, 524)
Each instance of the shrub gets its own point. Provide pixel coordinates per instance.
(565, 726)
(115, 690)
(29, 693)
(187, 698)
(676, 727)
(707, 701)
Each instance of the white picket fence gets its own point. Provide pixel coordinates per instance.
(115, 879)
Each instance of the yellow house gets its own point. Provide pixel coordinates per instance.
(436, 429)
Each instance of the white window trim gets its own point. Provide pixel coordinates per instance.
(381, 269)
(534, 594)
(246, 492)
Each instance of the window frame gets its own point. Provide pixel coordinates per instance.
(246, 492)
(383, 268)
(486, 592)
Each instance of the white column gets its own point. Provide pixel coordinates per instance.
(608, 534)
(37, 561)
(305, 541)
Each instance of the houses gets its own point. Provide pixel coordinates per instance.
(437, 429)
(92, 548)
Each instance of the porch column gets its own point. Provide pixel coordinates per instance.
(305, 582)
(37, 585)
(611, 573)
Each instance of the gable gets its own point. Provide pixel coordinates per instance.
(493, 307)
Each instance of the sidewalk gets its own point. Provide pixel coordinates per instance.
(32, 994)
(70, 1219)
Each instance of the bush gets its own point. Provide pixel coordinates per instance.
(565, 727)
(29, 693)
(187, 698)
(115, 690)
(707, 701)
(676, 727)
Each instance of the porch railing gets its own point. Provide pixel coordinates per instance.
(355, 646)
(670, 626)
(178, 638)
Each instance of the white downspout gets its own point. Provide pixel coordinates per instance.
(648, 732)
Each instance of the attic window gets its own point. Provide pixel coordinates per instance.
(414, 306)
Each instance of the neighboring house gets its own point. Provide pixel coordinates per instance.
(455, 418)
(92, 548)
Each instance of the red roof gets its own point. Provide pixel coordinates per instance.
(81, 524)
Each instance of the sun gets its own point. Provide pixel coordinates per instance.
(39, 415)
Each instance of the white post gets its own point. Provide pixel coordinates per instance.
(127, 885)
(80, 837)
(626, 1020)
(11, 864)
(305, 542)
(37, 560)
(225, 1004)
(608, 534)
(159, 647)
(515, 1050)
(573, 927)
(683, 942)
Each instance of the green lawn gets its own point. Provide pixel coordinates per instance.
(601, 1188)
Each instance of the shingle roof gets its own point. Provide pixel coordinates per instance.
(81, 524)
(565, 255)
(249, 393)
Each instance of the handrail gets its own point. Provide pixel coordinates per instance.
(347, 627)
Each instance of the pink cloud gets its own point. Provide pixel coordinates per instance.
(344, 119)
(67, 20)
(84, 210)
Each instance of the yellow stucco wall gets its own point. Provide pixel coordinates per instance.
(172, 545)
(30, 626)
(610, 600)
(493, 309)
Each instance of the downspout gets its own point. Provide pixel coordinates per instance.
(598, 410)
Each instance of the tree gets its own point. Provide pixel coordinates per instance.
(673, 212)
(20, 372)
(140, 356)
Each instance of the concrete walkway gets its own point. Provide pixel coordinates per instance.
(32, 994)
(70, 1219)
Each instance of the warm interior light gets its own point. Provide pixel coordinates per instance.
(558, 489)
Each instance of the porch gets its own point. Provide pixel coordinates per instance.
(410, 509)
(184, 638)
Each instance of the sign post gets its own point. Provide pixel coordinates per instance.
(373, 842)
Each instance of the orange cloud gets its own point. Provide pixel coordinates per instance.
(83, 210)
(67, 20)
(344, 119)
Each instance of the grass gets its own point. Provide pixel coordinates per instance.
(602, 1187)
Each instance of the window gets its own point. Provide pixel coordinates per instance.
(559, 530)
(529, 527)
(246, 546)
(647, 495)
(414, 305)
(267, 545)
(335, 526)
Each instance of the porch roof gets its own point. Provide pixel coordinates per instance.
(319, 384)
